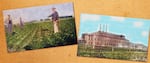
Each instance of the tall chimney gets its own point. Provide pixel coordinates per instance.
(107, 27)
(100, 27)
(104, 27)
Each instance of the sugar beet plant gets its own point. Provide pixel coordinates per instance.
(37, 35)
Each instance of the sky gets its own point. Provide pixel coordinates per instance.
(135, 30)
(38, 12)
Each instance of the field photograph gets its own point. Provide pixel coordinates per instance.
(39, 27)
(113, 37)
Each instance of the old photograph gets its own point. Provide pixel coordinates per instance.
(113, 37)
(40, 27)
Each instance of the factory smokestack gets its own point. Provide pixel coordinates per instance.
(99, 28)
(106, 27)
(103, 28)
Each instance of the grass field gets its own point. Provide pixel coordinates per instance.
(116, 53)
(37, 35)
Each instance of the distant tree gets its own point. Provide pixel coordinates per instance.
(41, 19)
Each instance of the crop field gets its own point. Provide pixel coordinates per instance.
(40, 34)
(112, 53)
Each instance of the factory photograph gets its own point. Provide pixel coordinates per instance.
(113, 37)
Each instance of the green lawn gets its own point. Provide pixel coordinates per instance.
(116, 53)
(37, 35)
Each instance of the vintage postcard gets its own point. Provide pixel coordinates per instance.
(113, 37)
(40, 27)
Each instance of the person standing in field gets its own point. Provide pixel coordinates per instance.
(55, 19)
(21, 23)
(10, 25)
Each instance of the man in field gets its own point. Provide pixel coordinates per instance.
(55, 19)
(21, 23)
(10, 24)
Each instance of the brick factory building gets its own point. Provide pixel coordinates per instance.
(104, 38)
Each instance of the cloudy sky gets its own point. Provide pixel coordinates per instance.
(38, 12)
(135, 30)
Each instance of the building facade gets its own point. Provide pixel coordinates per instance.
(104, 38)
